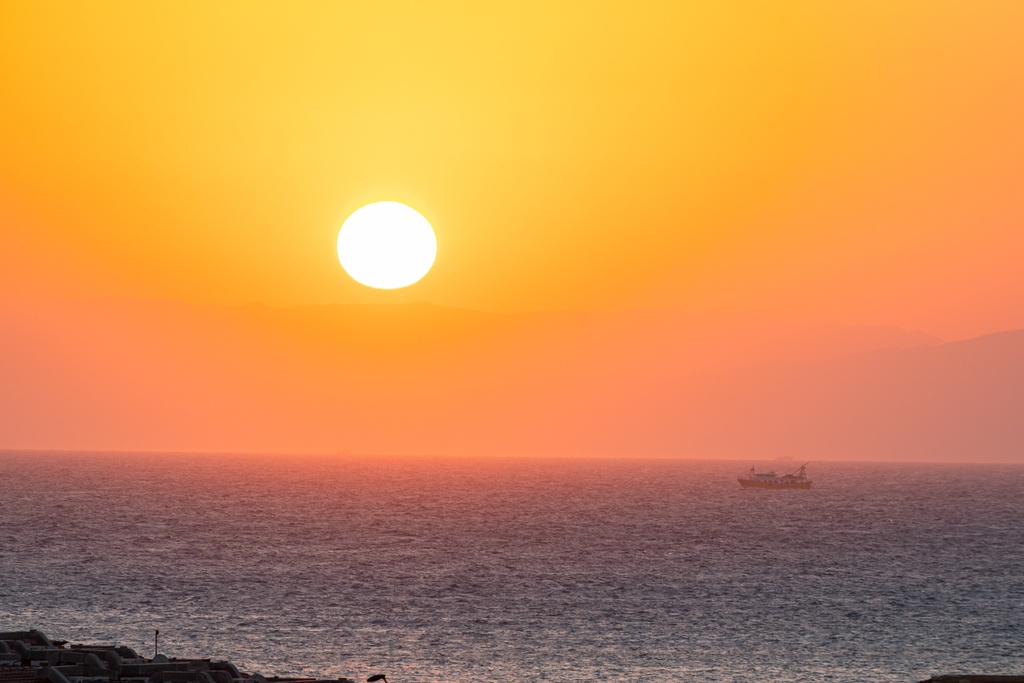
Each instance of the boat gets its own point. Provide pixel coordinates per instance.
(769, 480)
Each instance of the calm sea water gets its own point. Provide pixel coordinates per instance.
(512, 570)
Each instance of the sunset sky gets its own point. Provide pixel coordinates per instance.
(835, 163)
(844, 161)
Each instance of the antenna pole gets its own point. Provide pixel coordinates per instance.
(156, 643)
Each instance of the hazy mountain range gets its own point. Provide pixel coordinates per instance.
(130, 375)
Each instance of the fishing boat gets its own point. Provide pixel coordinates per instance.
(769, 480)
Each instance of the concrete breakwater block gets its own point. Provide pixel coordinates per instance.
(31, 657)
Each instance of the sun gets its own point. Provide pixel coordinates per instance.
(386, 245)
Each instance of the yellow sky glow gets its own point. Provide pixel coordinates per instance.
(856, 162)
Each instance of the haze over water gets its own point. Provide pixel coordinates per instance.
(520, 569)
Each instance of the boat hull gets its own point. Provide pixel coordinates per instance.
(754, 484)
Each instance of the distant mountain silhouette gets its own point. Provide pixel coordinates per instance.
(420, 378)
(961, 400)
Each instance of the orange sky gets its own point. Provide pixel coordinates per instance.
(856, 162)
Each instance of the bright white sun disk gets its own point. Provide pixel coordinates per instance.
(386, 245)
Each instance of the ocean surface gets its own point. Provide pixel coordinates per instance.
(520, 570)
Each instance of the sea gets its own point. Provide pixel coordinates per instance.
(441, 569)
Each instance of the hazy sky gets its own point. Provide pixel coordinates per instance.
(849, 161)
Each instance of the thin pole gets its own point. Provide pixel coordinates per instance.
(156, 643)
